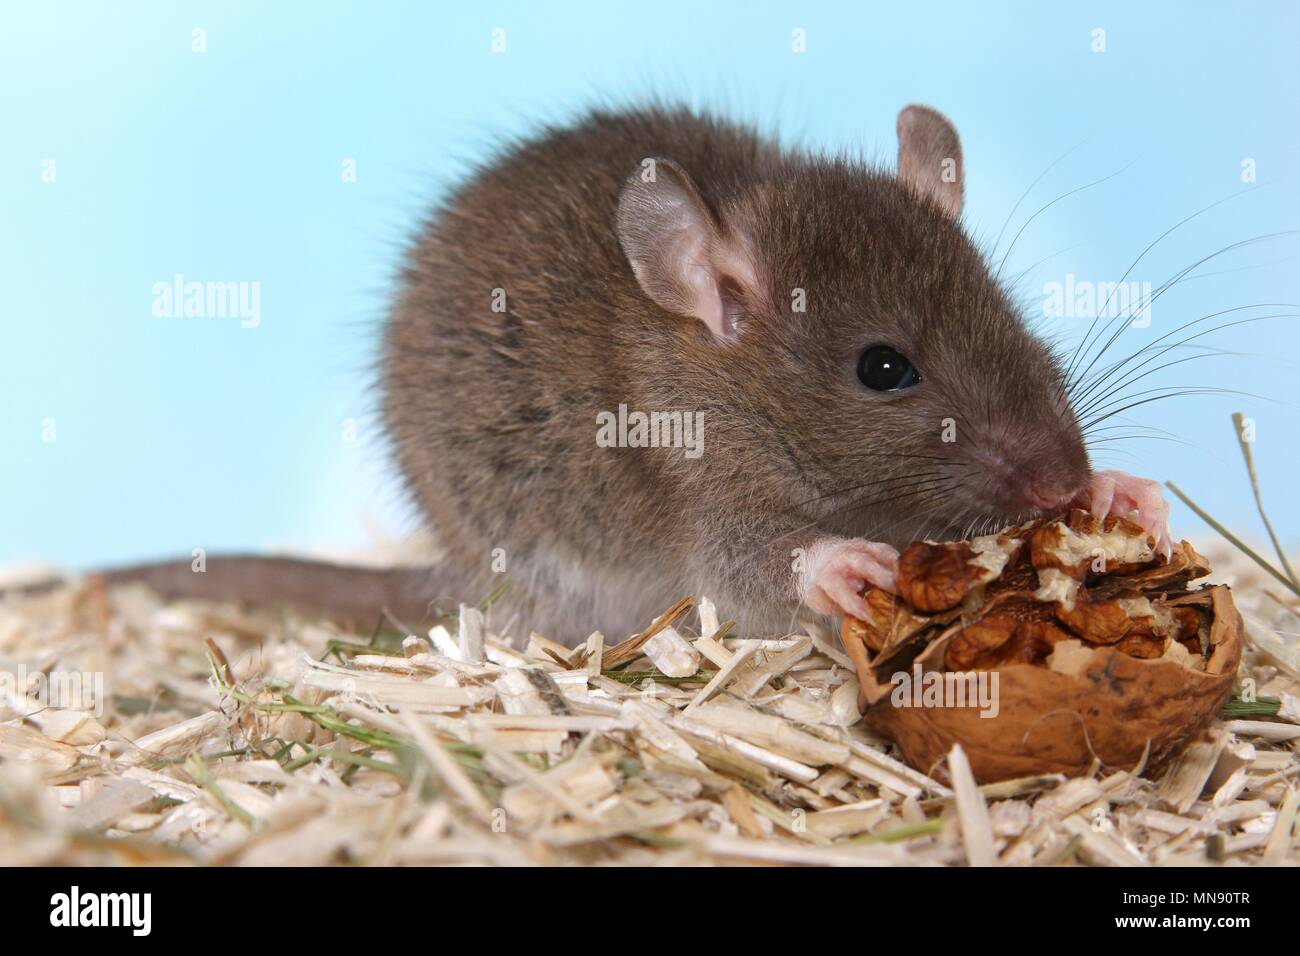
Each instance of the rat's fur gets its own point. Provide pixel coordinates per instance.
(494, 413)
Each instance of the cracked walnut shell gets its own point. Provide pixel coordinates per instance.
(1091, 647)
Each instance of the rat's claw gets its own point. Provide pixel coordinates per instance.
(1139, 499)
(837, 571)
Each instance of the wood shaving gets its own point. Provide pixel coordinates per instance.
(683, 744)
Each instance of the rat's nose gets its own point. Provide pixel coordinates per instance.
(1046, 496)
(1029, 480)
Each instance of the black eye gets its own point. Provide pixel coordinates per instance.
(882, 369)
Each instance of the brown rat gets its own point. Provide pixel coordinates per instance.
(857, 376)
(861, 377)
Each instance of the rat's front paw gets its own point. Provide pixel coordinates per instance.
(837, 571)
(1140, 499)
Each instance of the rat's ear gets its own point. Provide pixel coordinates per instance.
(683, 257)
(929, 156)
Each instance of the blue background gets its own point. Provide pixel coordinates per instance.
(226, 165)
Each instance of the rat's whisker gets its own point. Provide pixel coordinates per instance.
(1250, 268)
(1136, 375)
(1021, 277)
(866, 484)
(1103, 441)
(921, 488)
(885, 530)
(1123, 319)
(929, 488)
(1025, 195)
(1043, 209)
(1081, 349)
(1119, 363)
(1176, 393)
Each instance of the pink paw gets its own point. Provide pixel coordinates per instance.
(837, 571)
(1140, 499)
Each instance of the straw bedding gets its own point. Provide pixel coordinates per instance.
(248, 736)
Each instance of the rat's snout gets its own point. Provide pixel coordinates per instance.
(1038, 488)
(1049, 494)
(1040, 482)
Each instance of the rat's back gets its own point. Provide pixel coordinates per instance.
(513, 327)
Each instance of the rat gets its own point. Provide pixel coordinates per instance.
(827, 365)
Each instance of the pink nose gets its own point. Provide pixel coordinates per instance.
(1045, 496)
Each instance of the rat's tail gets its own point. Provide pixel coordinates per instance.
(409, 596)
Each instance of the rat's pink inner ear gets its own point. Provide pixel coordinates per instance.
(929, 156)
(677, 250)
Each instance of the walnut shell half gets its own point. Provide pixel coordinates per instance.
(1130, 661)
(1100, 703)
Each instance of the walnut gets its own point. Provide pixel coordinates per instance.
(978, 641)
(1190, 627)
(1142, 644)
(877, 628)
(1109, 621)
(1002, 639)
(937, 577)
(1099, 648)
(1081, 546)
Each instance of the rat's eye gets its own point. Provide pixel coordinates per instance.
(883, 369)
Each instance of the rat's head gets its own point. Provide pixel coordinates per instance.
(845, 324)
